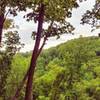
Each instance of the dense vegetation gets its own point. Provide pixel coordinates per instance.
(70, 71)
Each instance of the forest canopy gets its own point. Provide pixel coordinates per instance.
(70, 71)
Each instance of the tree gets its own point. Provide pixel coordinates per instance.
(92, 17)
(54, 13)
(12, 46)
(18, 68)
(11, 7)
(53, 17)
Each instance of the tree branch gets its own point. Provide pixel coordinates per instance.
(26, 75)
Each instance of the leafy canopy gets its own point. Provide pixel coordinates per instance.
(92, 17)
(56, 14)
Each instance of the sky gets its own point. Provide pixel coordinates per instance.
(26, 28)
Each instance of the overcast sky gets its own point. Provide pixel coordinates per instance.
(26, 28)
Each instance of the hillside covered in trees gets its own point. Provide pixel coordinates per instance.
(70, 71)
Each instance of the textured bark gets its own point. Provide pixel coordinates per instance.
(1, 26)
(28, 93)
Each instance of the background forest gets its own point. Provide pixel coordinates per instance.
(70, 71)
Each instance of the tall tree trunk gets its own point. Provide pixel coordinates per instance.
(1, 25)
(26, 75)
(28, 94)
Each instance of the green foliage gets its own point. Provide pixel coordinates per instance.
(12, 46)
(18, 68)
(55, 15)
(14, 6)
(74, 80)
(92, 17)
(68, 71)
